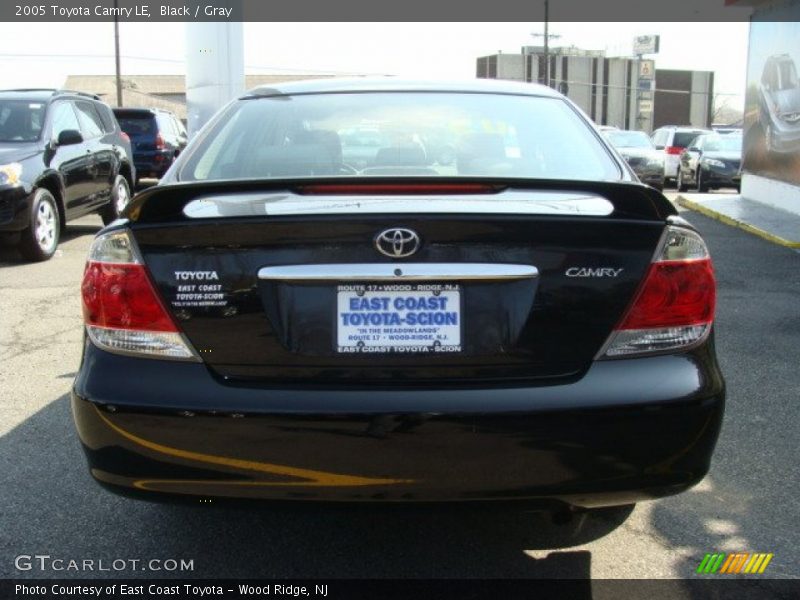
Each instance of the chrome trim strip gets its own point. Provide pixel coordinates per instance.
(399, 272)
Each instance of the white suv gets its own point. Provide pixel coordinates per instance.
(672, 141)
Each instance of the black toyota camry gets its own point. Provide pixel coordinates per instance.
(523, 322)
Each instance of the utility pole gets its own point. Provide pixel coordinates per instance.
(116, 55)
(547, 35)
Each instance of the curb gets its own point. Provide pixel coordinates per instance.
(710, 212)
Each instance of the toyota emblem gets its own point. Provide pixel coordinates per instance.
(397, 242)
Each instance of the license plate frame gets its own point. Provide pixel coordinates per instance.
(373, 318)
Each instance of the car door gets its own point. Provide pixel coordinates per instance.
(73, 162)
(101, 168)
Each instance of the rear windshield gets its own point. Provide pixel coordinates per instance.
(21, 120)
(684, 138)
(400, 134)
(137, 124)
(723, 143)
(628, 139)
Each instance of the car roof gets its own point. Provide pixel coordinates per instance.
(395, 84)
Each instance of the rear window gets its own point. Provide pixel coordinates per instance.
(684, 138)
(628, 139)
(137, 124)
(400, 134)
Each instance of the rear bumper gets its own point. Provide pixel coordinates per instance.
(152, 164)
(627, 431)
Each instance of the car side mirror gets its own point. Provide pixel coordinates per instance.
(69, 137)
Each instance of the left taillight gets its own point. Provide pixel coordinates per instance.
(121, 308)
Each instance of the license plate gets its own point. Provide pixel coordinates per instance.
(401, 318)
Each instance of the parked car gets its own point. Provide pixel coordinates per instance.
(779, 104)
(62, 156)
(535, 325)
(638, 150)
(672, 140)
(157, 137)
(711, 161)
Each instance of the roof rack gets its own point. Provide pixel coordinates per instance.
(77, 93)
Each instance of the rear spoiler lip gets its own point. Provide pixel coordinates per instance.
(164, 203)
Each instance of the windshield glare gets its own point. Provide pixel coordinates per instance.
(417, 134)
(21, 120)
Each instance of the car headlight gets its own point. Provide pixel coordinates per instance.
(713, 162)
(10, 173)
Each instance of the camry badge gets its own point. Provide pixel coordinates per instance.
(397, 242)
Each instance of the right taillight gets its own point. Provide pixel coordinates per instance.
(673, 308)
(160, 143)
(121, 308)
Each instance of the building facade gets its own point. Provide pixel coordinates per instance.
(628, 93)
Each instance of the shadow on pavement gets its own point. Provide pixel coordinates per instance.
(52, 506)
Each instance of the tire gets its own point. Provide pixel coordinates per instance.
(39, 241)
(120, 196)
(701, 185)
(682, 187)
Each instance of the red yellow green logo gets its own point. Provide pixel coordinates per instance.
(749, 563)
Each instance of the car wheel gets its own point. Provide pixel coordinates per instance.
(39, 241)
(682, 187)
(120, 196)
(701, 185)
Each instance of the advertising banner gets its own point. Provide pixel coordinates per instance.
(771, 145)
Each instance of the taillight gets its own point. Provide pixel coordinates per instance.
(160, 143)
(121, 308)
(673, 149)
(124, 136)
(674, 306)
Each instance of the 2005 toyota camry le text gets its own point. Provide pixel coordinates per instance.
(388, 291)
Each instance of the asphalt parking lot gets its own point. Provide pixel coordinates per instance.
(50, 505)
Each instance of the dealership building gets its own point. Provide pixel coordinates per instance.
(629, 93)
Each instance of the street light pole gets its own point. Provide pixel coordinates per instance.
(116, 55)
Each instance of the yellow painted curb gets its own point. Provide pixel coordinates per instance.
(710, 212)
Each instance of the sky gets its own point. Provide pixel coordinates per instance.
(43, 54)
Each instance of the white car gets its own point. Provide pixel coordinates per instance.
(672, 141)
